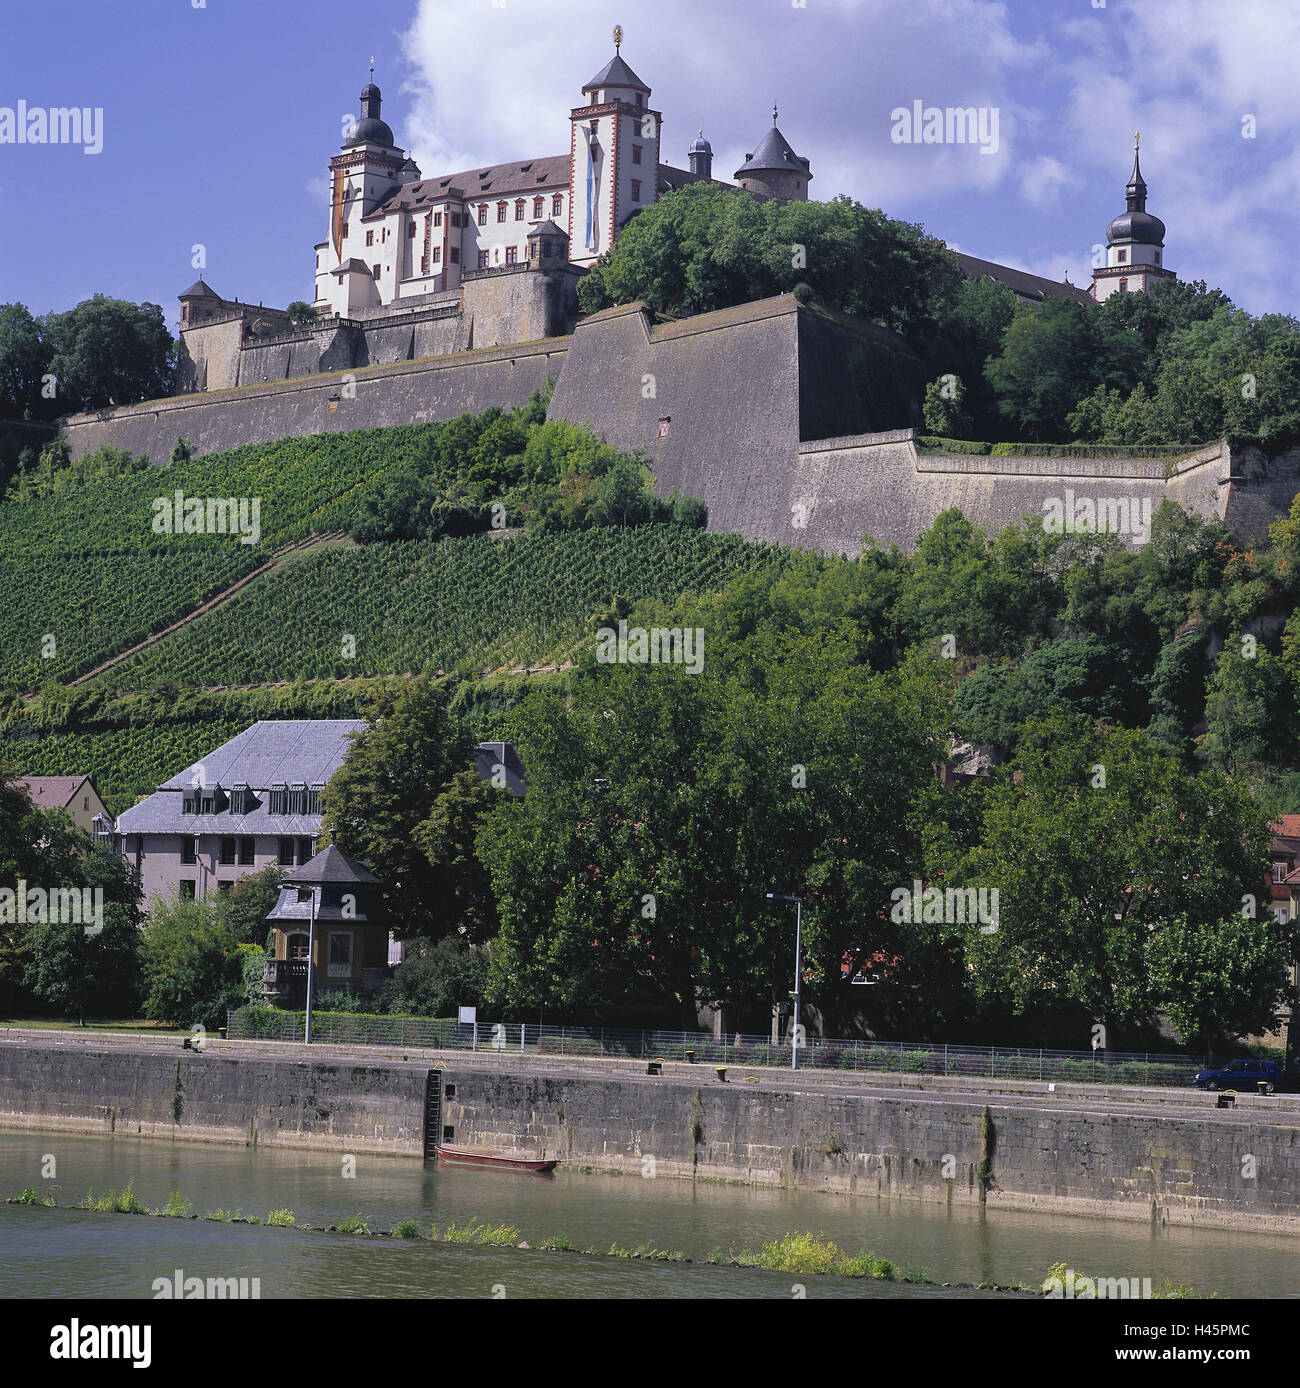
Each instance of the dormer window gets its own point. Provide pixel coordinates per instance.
(279, 799)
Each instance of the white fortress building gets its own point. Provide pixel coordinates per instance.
(394, 235)
(414, 267)
(399, 244)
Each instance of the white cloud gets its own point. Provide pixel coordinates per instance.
(491, 84)
(1043, 180)
(1185, 76)
(487, 84)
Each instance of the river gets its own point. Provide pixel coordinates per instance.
(77, 1253)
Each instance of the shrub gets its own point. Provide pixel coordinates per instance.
(177, 1207)
(930, 443)
(283, 1219)
(28, 1196)
(502, 1235)
(355, 1224)
(558, 1244)
(406, 1229)
(813, 1254)
(336, 1000)
(114, 1202)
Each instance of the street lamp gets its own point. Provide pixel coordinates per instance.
(798, 952)
(311, 953)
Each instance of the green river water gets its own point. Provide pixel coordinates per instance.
(76, 1253)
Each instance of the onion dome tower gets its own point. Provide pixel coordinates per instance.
(1135, 242)
(701, 156)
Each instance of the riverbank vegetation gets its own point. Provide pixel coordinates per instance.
(803, 1254)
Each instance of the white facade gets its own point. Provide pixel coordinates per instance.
(395, 236)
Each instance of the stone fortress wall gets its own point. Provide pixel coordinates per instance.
(495, 307)
(792, 422)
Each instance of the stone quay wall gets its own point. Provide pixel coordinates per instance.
(1149, 1155)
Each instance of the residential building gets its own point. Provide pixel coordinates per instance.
(251, 803)
(75, 795)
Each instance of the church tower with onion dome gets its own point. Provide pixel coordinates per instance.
(1135, 243)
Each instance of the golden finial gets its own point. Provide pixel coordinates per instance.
(372, 67)
(774, 113)
(618, 37)
(1136, 136)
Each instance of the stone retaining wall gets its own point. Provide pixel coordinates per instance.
(1114, 1154)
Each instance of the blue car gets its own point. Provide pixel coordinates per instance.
(1242, 1075)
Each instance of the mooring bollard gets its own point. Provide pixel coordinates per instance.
(1227, 1100)
(655, 1067)
(1263, 1086)
(722, 1072)
(690, 1056)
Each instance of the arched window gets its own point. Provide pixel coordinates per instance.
(295, 945)
(501, 211)
(539, 205)
(519, 209)
(482, 214)
(557, 205)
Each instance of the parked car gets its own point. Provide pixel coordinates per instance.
(1242, 1074)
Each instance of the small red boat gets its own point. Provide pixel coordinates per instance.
(459, 1156)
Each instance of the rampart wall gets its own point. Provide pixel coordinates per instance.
(793, 423)
(434, 389)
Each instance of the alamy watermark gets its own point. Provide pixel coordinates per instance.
(651, 646)
(920, 124)
(77, 1341)
(945, 906)
(1092, 515)
(53, 125)
(179, 514)
(1074, 1286)
(26, 905)
(178, 1287)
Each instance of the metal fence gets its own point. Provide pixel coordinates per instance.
(816, 1053)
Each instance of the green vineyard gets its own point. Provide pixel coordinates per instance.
(61, 614)
(301, 485)
(125, 762)
(418, 607)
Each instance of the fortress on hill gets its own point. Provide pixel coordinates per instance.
(439, 296)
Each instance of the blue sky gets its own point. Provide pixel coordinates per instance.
(219, 120)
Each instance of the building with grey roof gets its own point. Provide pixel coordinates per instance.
(250, 803)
